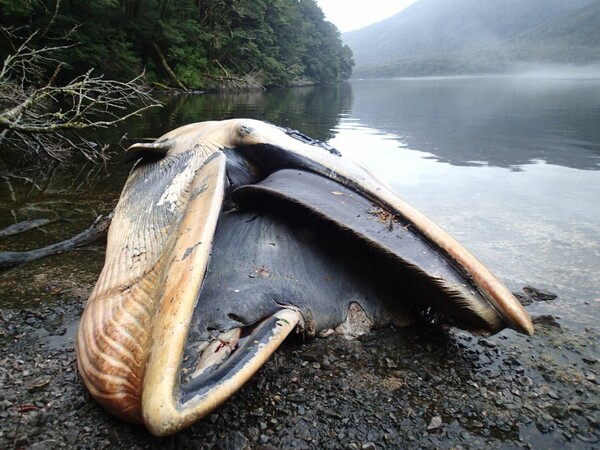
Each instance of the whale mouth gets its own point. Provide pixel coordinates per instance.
(297, 239)
(299, 244)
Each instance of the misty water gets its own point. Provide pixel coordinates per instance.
(509, 166)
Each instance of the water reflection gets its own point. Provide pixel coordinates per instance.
(313, 109)
(539, 225)
(504, 122)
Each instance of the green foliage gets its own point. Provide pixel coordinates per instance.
(199, 43)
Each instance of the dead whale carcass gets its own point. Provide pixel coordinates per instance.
(227, 237)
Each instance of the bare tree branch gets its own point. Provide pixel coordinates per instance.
(42, 118)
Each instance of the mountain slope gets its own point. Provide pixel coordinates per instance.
(458, 36)
(580, 27)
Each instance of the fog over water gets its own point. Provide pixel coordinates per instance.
(555, 71)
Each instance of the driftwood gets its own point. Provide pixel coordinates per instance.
(249, 81)
(21, 227)
(95, 231)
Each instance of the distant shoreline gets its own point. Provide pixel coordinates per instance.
(540, 71)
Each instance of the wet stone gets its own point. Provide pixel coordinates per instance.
(546, 320)
(38, 384)
(72, 437)
(591, 377)
(590, 360)
(540, 295)
(43, 445)
(234, 441)
(435, 423)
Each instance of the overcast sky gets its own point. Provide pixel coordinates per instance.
(350, 15)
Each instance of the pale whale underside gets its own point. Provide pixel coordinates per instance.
(230, 235)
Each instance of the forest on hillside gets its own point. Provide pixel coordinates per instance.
(192, 44)
(450, 37)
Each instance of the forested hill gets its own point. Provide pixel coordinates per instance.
(439, 37)
(191, 43)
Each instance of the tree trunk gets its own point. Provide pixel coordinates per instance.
(167, 68)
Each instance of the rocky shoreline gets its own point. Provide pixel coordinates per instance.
(418, 387)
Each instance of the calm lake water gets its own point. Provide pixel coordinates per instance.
(509, 166)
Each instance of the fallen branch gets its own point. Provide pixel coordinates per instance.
(163, 60)
(21, 227)
(95, 231)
